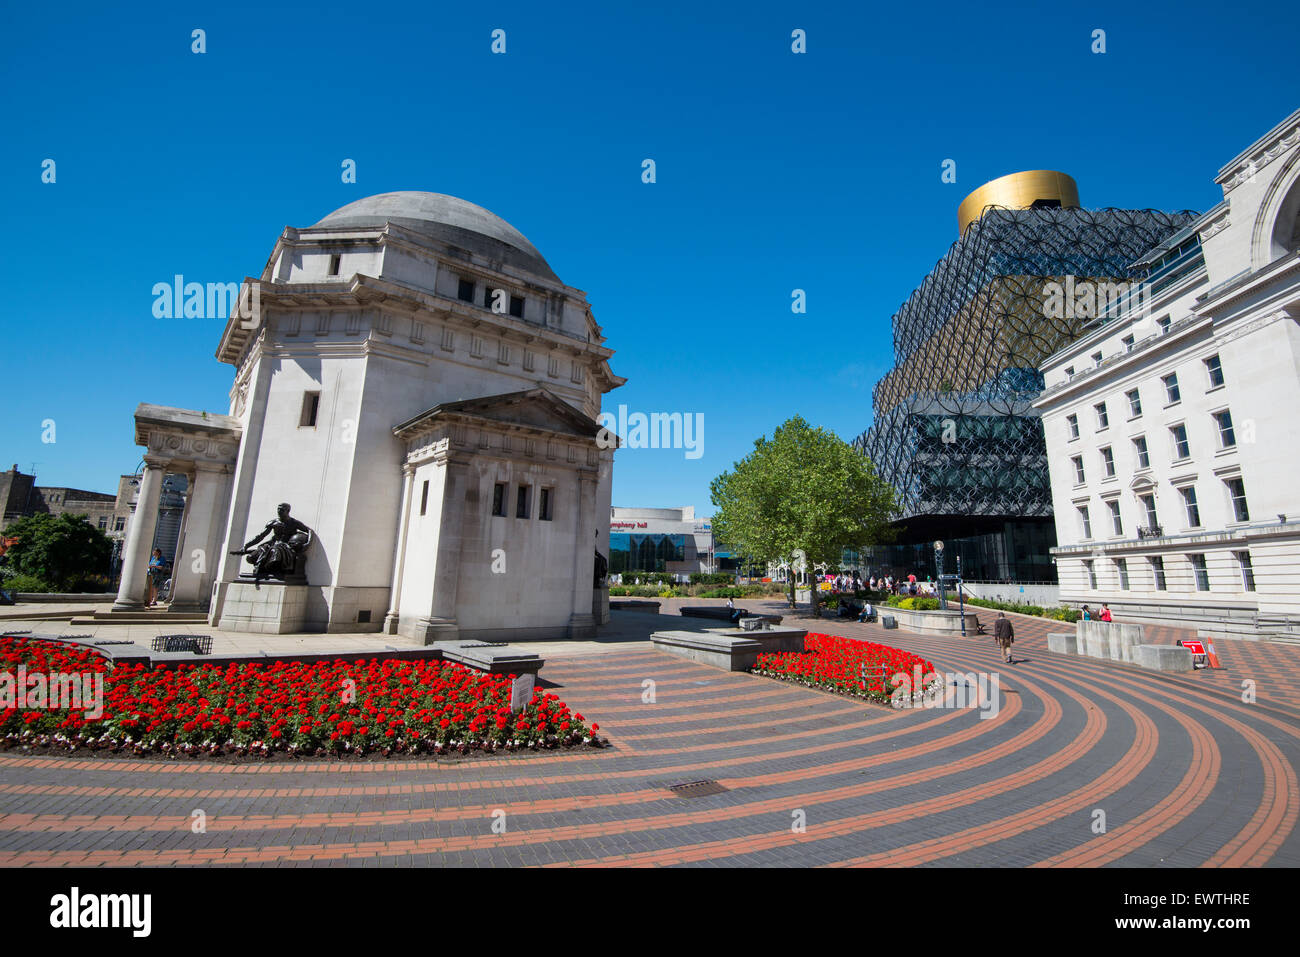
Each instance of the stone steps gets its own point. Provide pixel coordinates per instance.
(140, 618)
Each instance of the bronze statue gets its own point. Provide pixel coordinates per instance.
(279, 558)
(601, 570)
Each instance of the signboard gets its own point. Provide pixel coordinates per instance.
(1194, 646)
(627, 524)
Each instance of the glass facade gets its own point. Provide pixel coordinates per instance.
(955, 431)
(631, 552)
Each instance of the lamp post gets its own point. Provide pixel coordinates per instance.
(938, 561)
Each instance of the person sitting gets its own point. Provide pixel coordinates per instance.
(868, 612)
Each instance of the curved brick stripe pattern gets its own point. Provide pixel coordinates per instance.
(1184, 772)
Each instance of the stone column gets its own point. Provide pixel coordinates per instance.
(403, 524)
(189, 587)
(581, 622)
(441, 624)
(133, 593)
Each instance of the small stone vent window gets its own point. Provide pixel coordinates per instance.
(310, 407)
(334, 264)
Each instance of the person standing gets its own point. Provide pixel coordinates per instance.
(1087, 613)
(157, 569)
(1004, 635)
(1105, 613)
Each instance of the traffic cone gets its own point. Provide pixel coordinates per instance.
(1210, 656)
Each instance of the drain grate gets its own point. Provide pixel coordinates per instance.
(695, 789)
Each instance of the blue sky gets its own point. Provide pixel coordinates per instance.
(775, 171)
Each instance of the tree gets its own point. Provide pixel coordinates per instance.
(61, 550)
(805, 488)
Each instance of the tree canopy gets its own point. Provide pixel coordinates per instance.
(62, 550)
(803, 488)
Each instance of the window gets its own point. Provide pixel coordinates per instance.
(1227, 437)
(424, 497)
(119, 523)
(1108, 462)
(1127, 342)
(310, 406)
(1069, 372)
(1084, 523)
(1237, 492)
(1201, 572)
(1116, 522)
(492, 295)
(1096, 359)
(103, 522)
(1247, 571)
(522, 501)
(1142, 453)
(334, 264)
(1072, 423)
(465, 291)
(1121, 566)
(1078, 470)
(1182, 449)
(1092, 573)
(1134, 403)
(517, 306)
(1162, 324)
(499, 499)
(1171, 388)
(1103, 420)
(1214, 368)
(545, 504)
(1158, 572)
(1149, 509)
(1189, 503)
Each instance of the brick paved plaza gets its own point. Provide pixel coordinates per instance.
(1184, 771)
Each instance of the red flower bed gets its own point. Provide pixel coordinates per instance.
(357, 707)
(845, 665)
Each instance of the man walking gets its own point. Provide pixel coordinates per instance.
(1004, 635)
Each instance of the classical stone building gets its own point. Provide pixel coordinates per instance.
(1171, 424)
(416, 382)
(20, 496)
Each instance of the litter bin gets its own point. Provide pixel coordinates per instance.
(888, 621)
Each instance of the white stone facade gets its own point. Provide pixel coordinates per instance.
(386, 312)
(1172, 426)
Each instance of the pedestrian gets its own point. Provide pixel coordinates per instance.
(1004, 635)
(1087, 614)
(157, 569)
(1105, 613)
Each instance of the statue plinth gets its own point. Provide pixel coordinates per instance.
(266, 607)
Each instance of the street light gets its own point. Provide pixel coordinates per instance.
(938, 560)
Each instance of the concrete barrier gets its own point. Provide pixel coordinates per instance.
(1109, 640)
(1167, 658)
(1063, 643)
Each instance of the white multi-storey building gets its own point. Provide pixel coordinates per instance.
(1173, 422)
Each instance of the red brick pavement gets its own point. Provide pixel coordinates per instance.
(1184, 771)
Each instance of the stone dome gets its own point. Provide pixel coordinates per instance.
(448, 219)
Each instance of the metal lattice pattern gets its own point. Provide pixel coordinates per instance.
(954, 429)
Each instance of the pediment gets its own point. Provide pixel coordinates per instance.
(531, 409)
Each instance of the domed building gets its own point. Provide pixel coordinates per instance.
(417, 384)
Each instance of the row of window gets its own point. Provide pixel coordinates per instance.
(1173, 395)
(523, 501)
(1156, 565)
(493, 298)
(1178, 442)
(1235, 488)
(119, 523)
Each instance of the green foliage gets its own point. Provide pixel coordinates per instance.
(804, 488)
(724, 593)
(1057, 614)
(66, 551)
(648, 578)
(919, 603)
(712, 578)
(26, 583)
